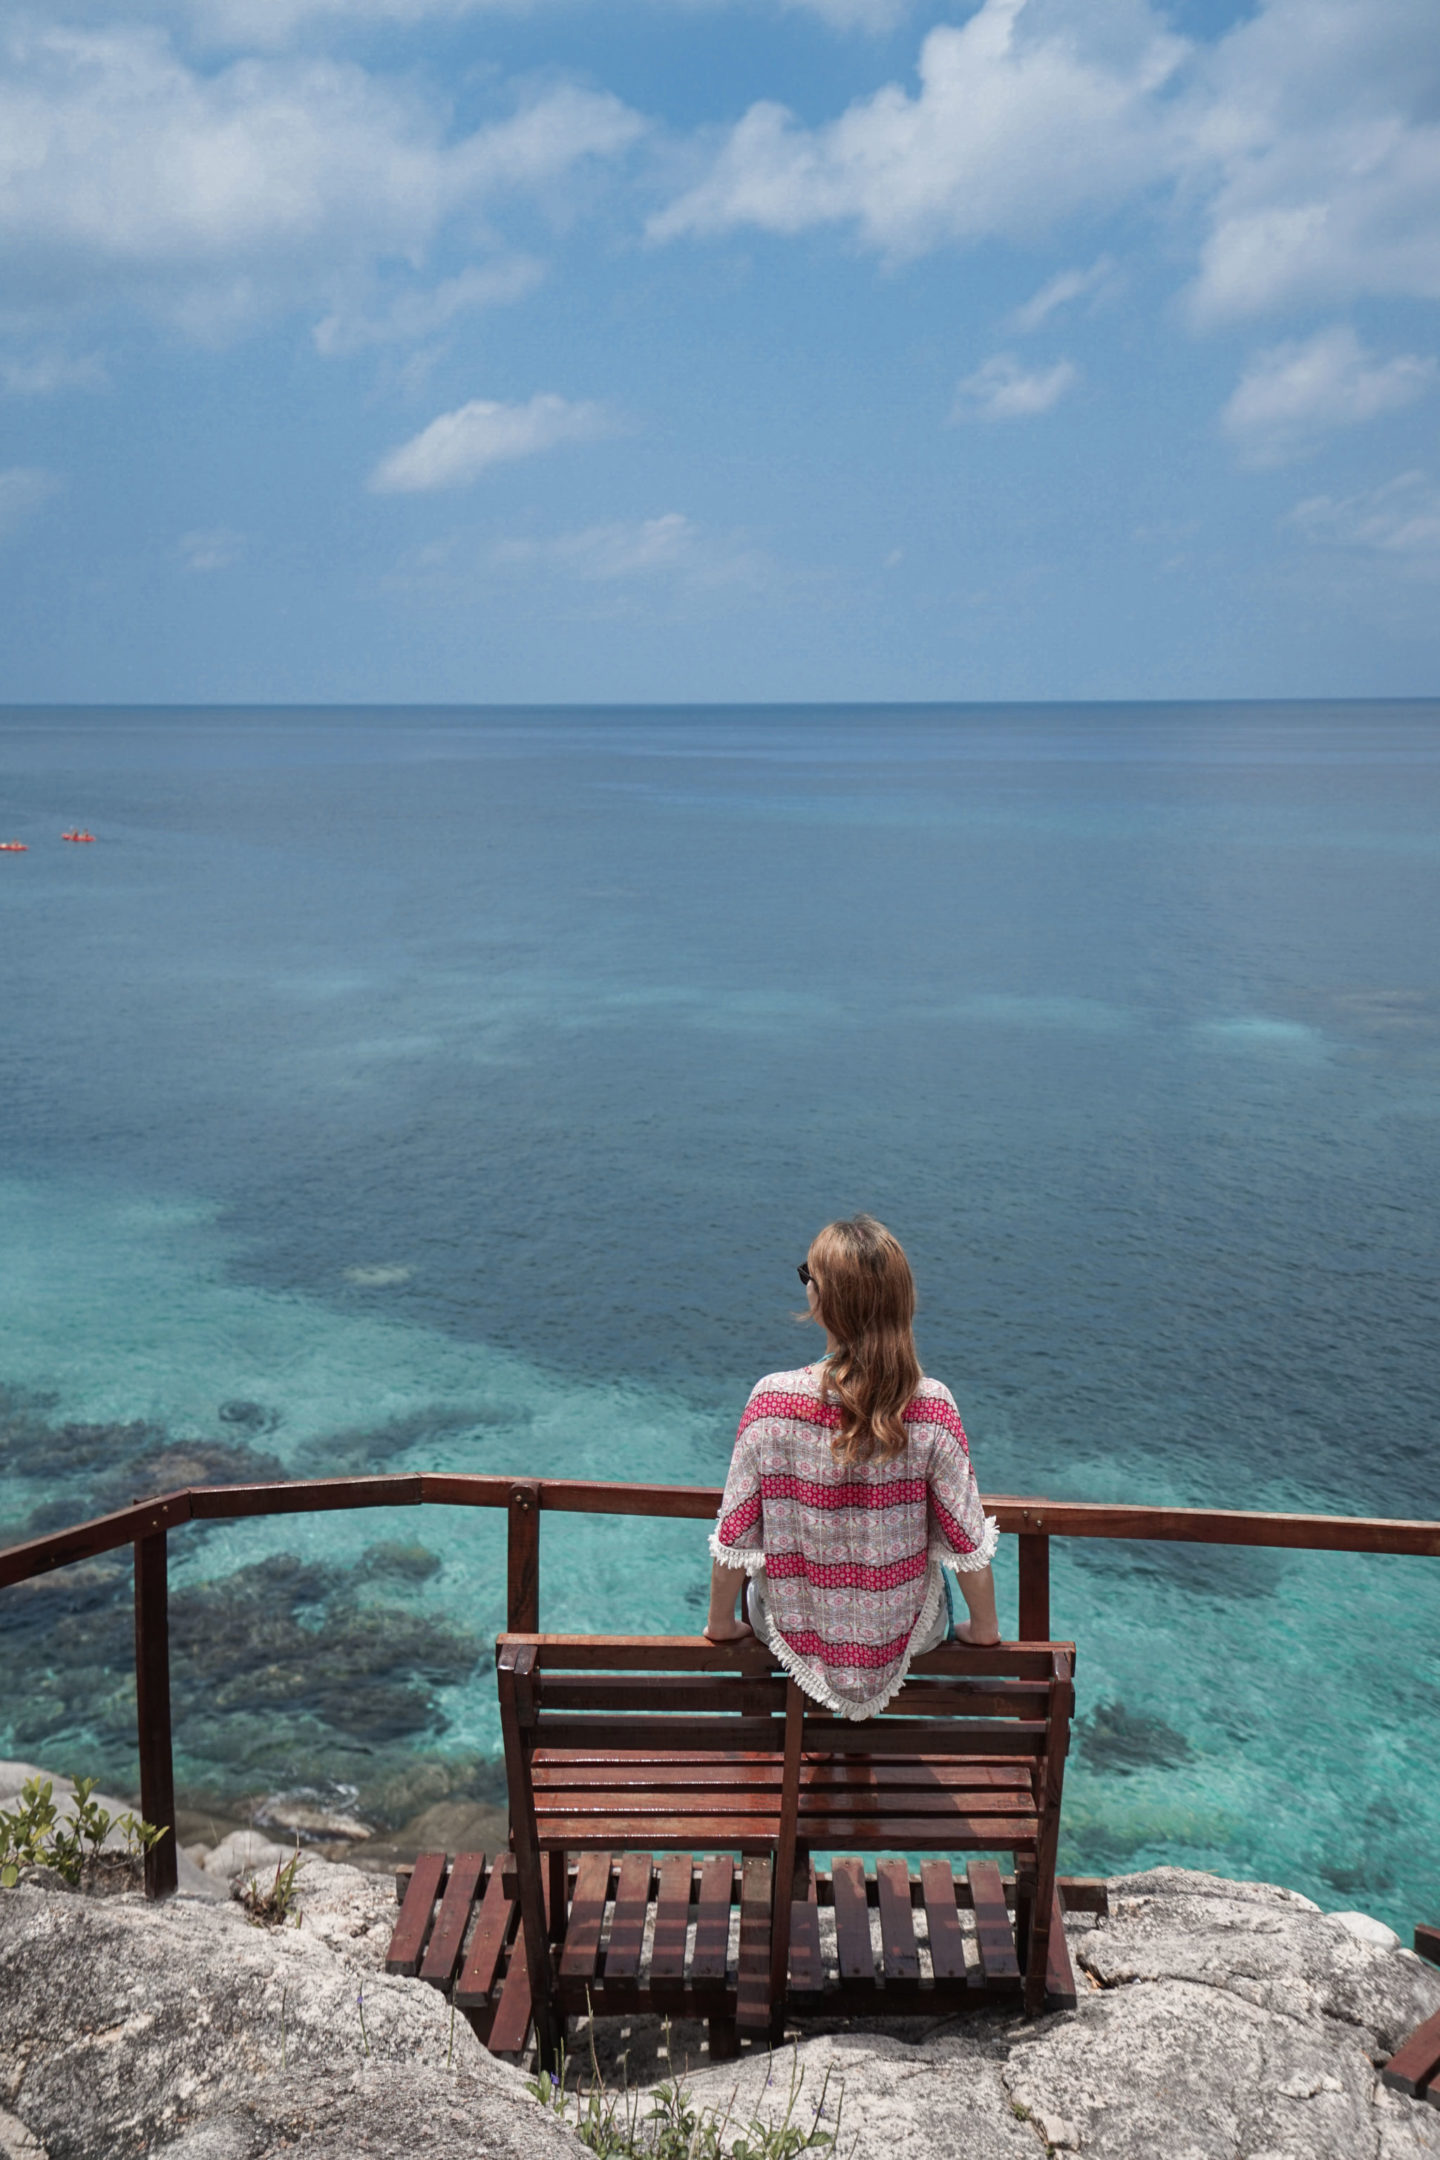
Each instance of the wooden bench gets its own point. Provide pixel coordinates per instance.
(681, 1747)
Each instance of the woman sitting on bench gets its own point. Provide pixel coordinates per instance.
(850, 1500)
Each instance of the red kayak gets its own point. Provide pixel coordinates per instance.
(77, 836)
(14, 847)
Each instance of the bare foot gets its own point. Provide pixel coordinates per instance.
(732, 1631)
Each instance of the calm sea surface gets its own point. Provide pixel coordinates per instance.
(459, 1090)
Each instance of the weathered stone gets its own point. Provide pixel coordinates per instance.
(245, 1853)
(128, 2028)
(1217, 2021)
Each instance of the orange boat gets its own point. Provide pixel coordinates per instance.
(77, 835)
(14, 847)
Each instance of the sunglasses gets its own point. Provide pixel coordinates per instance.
(804, 1273)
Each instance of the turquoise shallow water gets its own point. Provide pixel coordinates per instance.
(459, 1090)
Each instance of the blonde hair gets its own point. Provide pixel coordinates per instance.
(866, 1298)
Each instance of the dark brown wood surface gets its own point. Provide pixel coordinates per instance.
(852, 1920)
(1412, 2066)
(627, 1922)
(587, 1917)
(1016, 1516)
(711, 1955)
(1059, 1973)
(672, 1920)
(897, 1921)
(807, 1964)
(499, 1917)
(511, 2027)
(447, 1938)
(947, 1940)
(407, 1944)
(522, 1556)
(152, 1711)
(752, 1996)
(1427, 1943)
(993, 1936)
(1034, 1612)
(700, 1695)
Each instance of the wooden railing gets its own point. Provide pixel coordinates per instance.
(147, 1523)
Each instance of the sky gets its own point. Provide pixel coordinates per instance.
(718, 350)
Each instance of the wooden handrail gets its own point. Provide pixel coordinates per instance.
(1029, 1516)
(145, 1525)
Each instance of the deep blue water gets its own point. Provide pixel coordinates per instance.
(460, 1089)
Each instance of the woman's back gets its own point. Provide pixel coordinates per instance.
(847, 1555)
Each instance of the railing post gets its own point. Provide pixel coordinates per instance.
(152, 1711)
(522, 1600)
(1034, 1586)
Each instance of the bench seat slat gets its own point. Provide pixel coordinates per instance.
(627, 1924)
(1412, 2067)
(752, 1996)
(711, 1955)
(765, 1774)
(752, 1833)
(947, 1940)
(897, 1921)
(499, 1916)
(639, 1806)
(672, 1921)
(447, 1940)
(993, 1933)
(852, 1920)
(407, 1944)
(587, 1917)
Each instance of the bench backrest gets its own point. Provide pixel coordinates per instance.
(620, 1691)
(604, 1695)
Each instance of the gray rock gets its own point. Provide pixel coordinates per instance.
(1366, 1929)
(130, 2028)
(1217, 2021)
(243, 1854)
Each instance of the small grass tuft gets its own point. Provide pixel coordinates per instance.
(273, 1907)
(621, 2126)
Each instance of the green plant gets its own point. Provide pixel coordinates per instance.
(35, 1835)
(272, 1908)
(613, 2127)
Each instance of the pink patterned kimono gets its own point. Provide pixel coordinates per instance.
(847, 1562)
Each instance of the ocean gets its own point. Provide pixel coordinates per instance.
(459, 1089)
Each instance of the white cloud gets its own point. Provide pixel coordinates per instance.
(457, 447)
(217, 548)
(214, 195)
(1400, 519)
(271, 24)
(1317, 120)
(1004, 390)
(1292, 394)
(422, 313)
(43, 374)
(1015, 126)
(1302, 147)
(670, 548)
(601, 554)
(1061, 291)
(24, 489)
